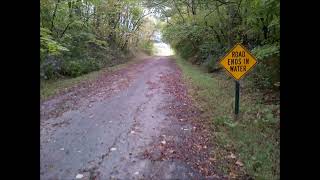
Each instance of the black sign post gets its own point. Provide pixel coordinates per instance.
(237, 94)
(237, 62)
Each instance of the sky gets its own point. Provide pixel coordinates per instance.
(163, 49)
(160, 48)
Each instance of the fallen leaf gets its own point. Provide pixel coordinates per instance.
(79, 176)
(232, 156)
(232, 175)
(239, 163)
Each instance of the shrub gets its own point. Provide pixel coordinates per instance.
(267, 71)
(48, 46)
(75, 68)
(148, 47)
(50, 68)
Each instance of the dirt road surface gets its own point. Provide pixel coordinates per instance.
(135, 123)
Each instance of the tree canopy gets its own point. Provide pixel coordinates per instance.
(204, 30)
(78, 36)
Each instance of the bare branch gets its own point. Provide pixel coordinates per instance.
(140, 18)
(54, 15)
(212, 11)
(175, 4)
(65, 29)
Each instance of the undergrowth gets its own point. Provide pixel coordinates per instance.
(49, 88)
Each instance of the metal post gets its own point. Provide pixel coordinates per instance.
(237, 99)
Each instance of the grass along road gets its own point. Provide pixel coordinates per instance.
(49, 88)
(120, 127)
(255, 138)
(252, 143)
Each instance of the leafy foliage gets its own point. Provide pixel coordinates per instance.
(203, 31)
(255, 137)
(266, 51)
(48, 45)
(267, 72)
(77, 37)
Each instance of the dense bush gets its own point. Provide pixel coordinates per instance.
(75, 68)
(267, 71)
(50, 68)
(148, 48)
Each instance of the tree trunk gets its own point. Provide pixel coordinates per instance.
(178, 11)
(54, 15)
(193, 7)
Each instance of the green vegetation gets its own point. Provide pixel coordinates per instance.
(90, 36)
(255, 137)
(50, 88)
(202, 31)
(78, 37)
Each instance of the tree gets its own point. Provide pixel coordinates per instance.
(89, 33)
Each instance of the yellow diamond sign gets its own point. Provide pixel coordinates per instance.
(238, 61)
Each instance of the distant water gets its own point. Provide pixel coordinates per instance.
(163, 49)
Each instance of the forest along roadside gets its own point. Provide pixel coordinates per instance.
(136, 122)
